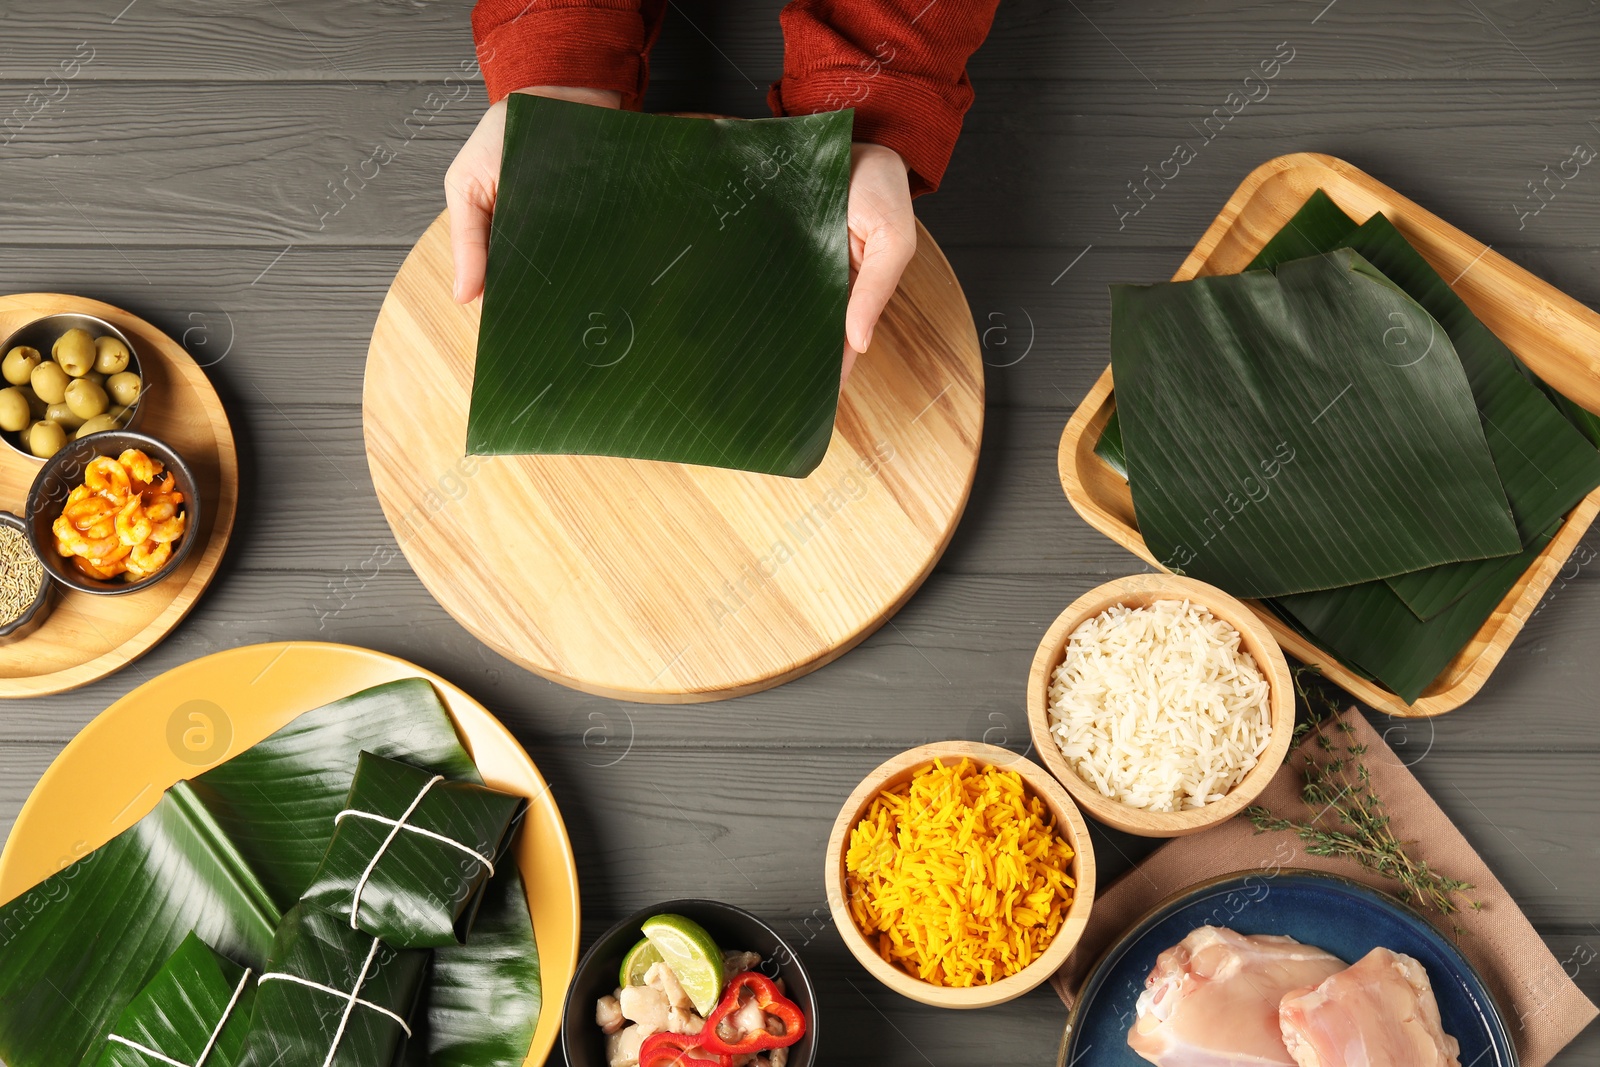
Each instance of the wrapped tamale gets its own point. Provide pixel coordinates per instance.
(411, 853)
(194, 1012)
(331, 996)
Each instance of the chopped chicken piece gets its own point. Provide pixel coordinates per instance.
(1212, 999)
(608, 1014)
(622, 1049)
(663, 978)
(684, 1021)
(749, 1018)
(1380, 1012)
(738, 962)
(646, 1006)
(778, 1057)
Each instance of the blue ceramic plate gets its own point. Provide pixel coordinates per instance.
(1335, 914)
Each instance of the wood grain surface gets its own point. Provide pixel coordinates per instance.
(182, 177)
(665, 582)
(86, 637)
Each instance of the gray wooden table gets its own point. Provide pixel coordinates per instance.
(190, 175)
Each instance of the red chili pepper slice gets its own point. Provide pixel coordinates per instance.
(679, 1050)
(765, 993)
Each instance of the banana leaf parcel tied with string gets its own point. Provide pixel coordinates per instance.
(411, 853)
(665, 288)
(331, 996)
(193, 1013)
(224, 856)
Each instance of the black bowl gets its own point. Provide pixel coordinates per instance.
(63, 472)
(733, 928)
(30, 619)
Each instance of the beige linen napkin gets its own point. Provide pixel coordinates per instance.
(1543, 1008)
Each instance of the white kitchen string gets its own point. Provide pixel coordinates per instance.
(281, 977)
(355, 901)
(344, 1020)
(441, 838)
(210, 1043)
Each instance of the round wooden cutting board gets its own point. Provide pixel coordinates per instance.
(87, 637)
(662, 582)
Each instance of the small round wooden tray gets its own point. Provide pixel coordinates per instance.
(661, 582)
(88, 637)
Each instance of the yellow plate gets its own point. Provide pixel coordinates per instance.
(194, 717)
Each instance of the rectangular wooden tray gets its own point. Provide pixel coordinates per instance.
(1552, 333)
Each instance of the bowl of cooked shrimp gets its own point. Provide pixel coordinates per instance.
(113, 513)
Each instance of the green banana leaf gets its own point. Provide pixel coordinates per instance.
(76, 948)
(415, 890)
(197, 1008)
(1319, 226)
(665, 288)
(1282, 438)
(1545, 465)
(1586, 422)
(223, 857)
(331, 996)
(1369, 627)
(1110, 447)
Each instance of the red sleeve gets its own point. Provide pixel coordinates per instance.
(902, 64)
(588, 44)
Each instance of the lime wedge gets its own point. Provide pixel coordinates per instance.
(691, 953)
(638, 961)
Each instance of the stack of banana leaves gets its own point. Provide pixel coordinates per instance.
(338, 894)
(1335, 433)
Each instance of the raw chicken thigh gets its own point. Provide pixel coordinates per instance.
(1212, 999)
(1378, 1013)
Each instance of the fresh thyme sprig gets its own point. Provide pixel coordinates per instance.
(1350, 819)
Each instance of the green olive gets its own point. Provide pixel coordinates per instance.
(50, 382)
(96, 424)
(86, 399)
(19, 364)
(124, 388)
(63, 416)
(74, 350)
(121, 413)
(36, 407)
(110, 355)
(45, 439)
(14, 413)
(96, 377)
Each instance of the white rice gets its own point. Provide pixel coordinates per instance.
(1158, 707)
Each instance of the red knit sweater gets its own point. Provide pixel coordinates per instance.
(900, 63)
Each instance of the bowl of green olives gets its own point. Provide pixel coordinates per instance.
(66, 376)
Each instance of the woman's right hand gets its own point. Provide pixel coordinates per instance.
(473, 181)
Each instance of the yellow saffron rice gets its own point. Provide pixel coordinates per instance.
(958, 875)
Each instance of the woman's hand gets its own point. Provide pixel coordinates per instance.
(473, 181)
(883, 238)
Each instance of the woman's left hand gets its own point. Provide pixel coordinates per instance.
(883, 238)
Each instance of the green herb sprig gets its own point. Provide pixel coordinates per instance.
(1350, 817)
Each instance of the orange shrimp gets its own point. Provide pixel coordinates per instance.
(106, 476)
(88, 512)
(103, 573)
(133, 526)
(139, 465)
(145, 560)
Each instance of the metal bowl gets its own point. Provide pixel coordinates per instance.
(35, 613)
(42, 334)
(64, 472)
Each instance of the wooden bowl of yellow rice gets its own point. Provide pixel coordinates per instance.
(994, 892)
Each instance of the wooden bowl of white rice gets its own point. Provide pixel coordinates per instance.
(1162, 704)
